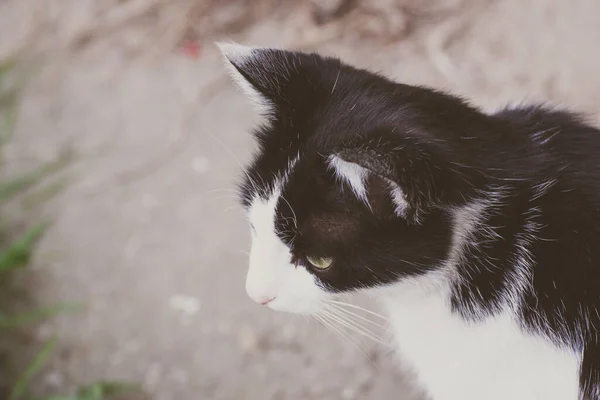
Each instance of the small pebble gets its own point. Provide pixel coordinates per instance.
(247, 339)
(186, 304)
(54, 379)
(201, 165)
(349, 393)
(153, 375)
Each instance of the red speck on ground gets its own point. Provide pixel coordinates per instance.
(191, 49)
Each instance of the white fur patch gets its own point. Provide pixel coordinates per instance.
(399, 200)
(459, 360)
(353, 174)
(237, 54)
(464, 222)
(271, 275)
(492, 360)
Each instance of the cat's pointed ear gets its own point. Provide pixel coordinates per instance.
(417, 174)
(261, 73)
(241, 64)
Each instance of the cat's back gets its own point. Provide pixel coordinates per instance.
(558, 140)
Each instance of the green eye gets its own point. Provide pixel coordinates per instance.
(320, 262)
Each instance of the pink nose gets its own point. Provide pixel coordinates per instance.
(264, 301)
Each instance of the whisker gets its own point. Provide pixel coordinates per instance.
(355, 315)
(220, 190)
(252, 182)
(341, 303)
(342, 314)
(354, 327)
(295, 219)
(232, 208)
(226, 197)
(329, 324)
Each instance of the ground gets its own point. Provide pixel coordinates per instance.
(148, 233)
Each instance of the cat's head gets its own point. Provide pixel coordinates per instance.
(353, 179)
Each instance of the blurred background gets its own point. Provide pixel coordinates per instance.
(122, 247)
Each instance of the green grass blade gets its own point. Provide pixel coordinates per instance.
(10, 89)
(15, 186)
(105, 390)
(8, 321)
(8, 118)
(20, 388)
(19, 252)
(7, 65)
(44, 194)
(59, 398)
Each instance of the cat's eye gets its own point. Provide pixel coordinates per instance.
(320, 262)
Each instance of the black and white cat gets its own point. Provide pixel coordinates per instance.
(480, 233)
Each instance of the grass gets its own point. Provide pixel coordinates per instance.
(17, 249)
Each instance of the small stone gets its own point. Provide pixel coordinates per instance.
(186, 304)
(54, 379)
(153, 375)
(201, 165)
(349, 393)
(247, 339)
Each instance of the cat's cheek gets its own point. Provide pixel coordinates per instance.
(298, 292)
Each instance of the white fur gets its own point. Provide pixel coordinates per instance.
(459, 360)
(353, 174)
(399, 200)
(492, 360)
(238, 54)
(271, 275)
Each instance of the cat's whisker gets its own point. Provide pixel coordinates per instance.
(226, 197)
(351, 318)
(228, 209)
(339, 318)
(295, 219)
(244, 169)
(341, 303)
(331, 325)
(219, 191)
(356, 316)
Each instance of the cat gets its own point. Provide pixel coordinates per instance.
(479, 233)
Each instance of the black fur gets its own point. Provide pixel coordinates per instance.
(535, 173)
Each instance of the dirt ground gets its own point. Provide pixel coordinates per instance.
(148, 233)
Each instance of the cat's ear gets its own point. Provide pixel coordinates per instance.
(261, 73)
(417, 174)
